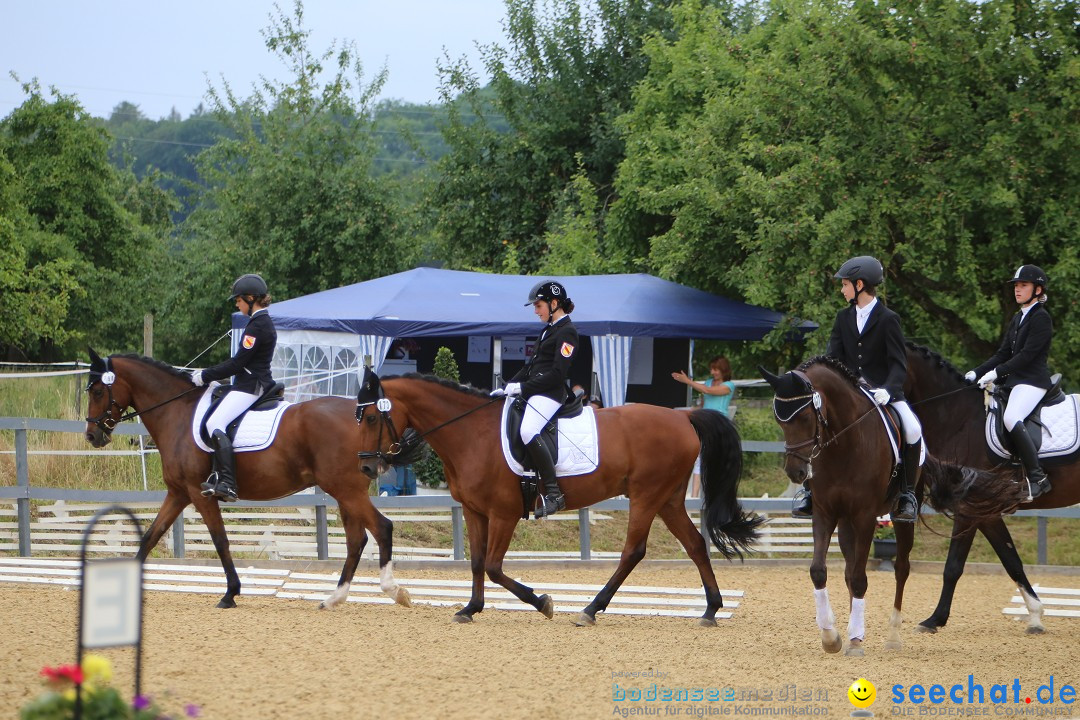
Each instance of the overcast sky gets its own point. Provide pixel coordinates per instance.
(158, 55)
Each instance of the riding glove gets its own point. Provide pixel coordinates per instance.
(497, 392)
(196, 377)
(881, 396)
(512, 389)
(988, 378)
(970, 376)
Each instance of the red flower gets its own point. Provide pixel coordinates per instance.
(63, 673)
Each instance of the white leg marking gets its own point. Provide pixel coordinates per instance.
(896, 620)
(825, 618)
(337, 597)
(1035, 611)
(856, 627)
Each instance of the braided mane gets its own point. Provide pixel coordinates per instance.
(832, 363)
(466, 389)
(164, 367)
(936, 359)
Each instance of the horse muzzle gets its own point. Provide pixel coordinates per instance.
(96, 436)
(373, 467)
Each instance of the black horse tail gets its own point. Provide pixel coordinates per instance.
(972, 493)
(731, 530)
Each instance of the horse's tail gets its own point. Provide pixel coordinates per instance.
(969, 492)
(731, 530)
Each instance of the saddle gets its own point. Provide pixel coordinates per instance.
(271, 399)
(514, 449)
(1054, 426)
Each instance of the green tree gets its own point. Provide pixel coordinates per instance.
(429, 470)
(939, 136)
(291, 195)
(86, 239)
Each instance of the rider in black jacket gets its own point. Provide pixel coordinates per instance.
(866, 337)
(542, 382)
(1020, 365)
(251, 368)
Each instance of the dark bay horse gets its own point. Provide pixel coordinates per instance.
(646, 453)
(316, 444)
(835, 439)
(953, 417)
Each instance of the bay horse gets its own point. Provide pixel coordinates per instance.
(834, 438)
(646, 453)
(953, 416)
(315, 445)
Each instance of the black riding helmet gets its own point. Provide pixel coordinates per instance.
(863, 268)
(1032, 274)
(250, 284)
(548, 290)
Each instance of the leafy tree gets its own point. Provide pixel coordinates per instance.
(85, 237)
(939, 136)
(429, 470)
(291, 194)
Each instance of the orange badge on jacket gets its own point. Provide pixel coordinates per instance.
(567, 349)
(248, 342)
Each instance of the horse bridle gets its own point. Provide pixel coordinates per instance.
(813, 399)
(105, 421)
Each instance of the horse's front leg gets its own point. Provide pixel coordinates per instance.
(171, 508)
(997, 532)
(477, 525)
(500, 533)
(905, 540)
(819, 574)
(211, 515)
(856, 537)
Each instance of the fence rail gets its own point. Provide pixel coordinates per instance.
(310, 532)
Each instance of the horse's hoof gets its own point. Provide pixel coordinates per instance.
(547, 607)
(921, 628)
(458, 618)
(223, 603)
(584, 620)
(831, 643)
(854, 649)
(894, 645)
(706, 622)
(1035, 630)
(403, 598)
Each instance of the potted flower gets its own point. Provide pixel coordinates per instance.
(884, 539)
(99, 698)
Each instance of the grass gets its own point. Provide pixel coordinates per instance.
(61, 398)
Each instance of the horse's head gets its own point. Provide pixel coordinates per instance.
(375, 417)
(797, 408)
(107, 398)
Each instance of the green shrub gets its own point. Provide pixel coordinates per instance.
(429, 471)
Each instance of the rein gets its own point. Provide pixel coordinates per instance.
(105, 420)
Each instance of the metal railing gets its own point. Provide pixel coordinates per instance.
(23, 493)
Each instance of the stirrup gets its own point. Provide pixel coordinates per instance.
(555, 505)
(1037, 489)
(802, 504)
(908, 518)
(209, 486)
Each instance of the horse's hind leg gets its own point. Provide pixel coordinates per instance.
(500, 533)
(997, 532)
(211, 515)
(477, 525)
(171, 508)
(678, 522)
(963, 534)
(637, 534)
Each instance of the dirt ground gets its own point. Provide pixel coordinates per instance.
(274, 658)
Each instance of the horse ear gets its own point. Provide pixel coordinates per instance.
(369, 387)
(769, 377)
(96, 363)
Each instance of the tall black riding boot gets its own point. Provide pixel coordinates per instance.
(1025, 449)
(906, 508)
(802, 505)
(553, 499)
(223, 486)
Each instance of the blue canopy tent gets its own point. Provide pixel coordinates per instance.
(337, 328)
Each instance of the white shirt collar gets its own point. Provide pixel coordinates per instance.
(864, 311)
(1025, 310)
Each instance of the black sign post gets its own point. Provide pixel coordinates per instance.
(110, 603)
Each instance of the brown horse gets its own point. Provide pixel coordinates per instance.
(952, 413)
(316, 445)
(646, 453)
(835, 439)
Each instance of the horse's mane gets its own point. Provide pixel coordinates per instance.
(164, 367)
(832, 363)
(936, 359)
(466, 389)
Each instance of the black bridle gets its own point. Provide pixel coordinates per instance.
(811, 399)
(105, 421)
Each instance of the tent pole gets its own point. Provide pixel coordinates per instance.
(690, 372)
(496, 361)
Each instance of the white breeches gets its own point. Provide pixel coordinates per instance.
(231, 406)
(1022, 401)
(909, 423)
(538, 412)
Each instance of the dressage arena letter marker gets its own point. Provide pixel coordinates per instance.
(111, 603)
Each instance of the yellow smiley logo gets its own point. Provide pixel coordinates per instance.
(862, 693)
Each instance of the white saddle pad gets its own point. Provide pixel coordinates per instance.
(256, 430)
(1061, 430)
(889, 431)
(579, 448)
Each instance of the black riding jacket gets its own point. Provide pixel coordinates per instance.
(877, 354)
(546, 372)
(251, 363)
(1021, 359)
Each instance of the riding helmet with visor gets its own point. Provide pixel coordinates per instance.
(864, 268)
(1030, 273)
(547, 290)
(250, 284)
